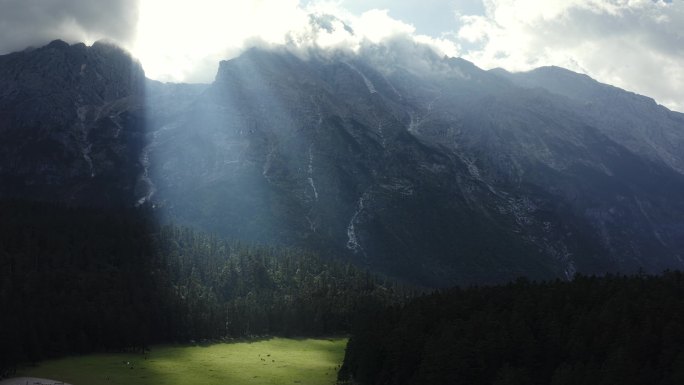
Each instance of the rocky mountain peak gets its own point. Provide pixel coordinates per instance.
(69, 117)
(57, 44)
(417, 166)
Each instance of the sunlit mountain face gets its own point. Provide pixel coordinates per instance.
(418, 166)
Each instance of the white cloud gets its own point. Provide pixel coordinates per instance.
(634, 44)
(376, 25)
(26, 23)
(180, 40)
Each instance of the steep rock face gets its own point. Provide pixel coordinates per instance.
(451, 175)
(516, 139)
(431, 169)
(632, 120)
(313, 153)
(71, 122)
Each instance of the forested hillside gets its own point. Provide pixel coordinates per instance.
(609, 330)
(83, 280)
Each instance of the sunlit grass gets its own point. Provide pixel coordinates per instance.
(273, 361)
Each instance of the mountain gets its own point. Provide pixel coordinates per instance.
(635, 121)
(71, 123)
(423, 168)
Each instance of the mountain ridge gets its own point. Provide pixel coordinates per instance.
(439, 173)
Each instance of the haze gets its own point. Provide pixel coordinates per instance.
(634, 44)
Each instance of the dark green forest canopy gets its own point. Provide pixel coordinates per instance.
(83, 280)
(608, 330)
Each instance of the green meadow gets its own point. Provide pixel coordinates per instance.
(272, 361)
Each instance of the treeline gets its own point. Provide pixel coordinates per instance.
(74, 280)
(608, 330)
(227, 289)
(83, 280)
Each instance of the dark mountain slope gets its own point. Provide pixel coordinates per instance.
(632, 120)
(72, 123)
(433, 171)
(309, 153)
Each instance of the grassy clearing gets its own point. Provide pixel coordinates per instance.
(273, 361)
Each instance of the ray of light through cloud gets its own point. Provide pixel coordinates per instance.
(634, 44)
(180, 40)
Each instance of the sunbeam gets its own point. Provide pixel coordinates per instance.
(178, 40)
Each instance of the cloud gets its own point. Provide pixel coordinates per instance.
(634, 44)
(428, 17)
(182, 41)
(25, 23)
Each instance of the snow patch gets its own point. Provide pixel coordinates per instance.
(472, 168)
(86, 148)
(145, 177)
(312, 224)
(310, 170)
(353, 243)
(400, 186)
(369, 84)
(417, 121)
(145, 162)
(521, 209)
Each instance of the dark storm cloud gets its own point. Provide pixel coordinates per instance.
(26, 23)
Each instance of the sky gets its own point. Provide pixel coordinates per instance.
(637, 45)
